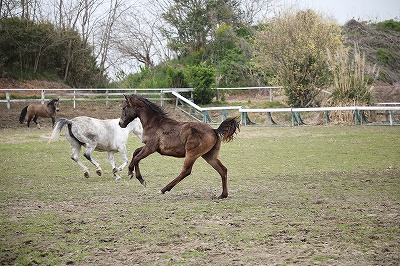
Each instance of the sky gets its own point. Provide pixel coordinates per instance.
(361, 10)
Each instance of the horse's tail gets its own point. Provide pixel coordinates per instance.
(57, 128)
(228, 129)
(23, 114)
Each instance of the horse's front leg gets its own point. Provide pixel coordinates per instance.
(131, 167)
(139, 154)
(114, 168)
(124, 159)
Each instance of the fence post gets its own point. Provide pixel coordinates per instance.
(327, 117)
(292, 113)
(224, 115)
(271, 96)
(8, 99)
(356, 117)
(243, 118)
(391, 117)
(106, 98)
(74, 98)
(42, 96)
(270, 121)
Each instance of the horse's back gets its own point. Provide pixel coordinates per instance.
(92, 130)
(39, 110)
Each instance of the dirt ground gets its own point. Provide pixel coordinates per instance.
(227, 238)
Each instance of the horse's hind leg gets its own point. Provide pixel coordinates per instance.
(89, 149)
(35, 118)
(212, 159)
(29, 120)
(186, 170)
(75, 156)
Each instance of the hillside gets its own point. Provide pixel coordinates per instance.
(381, 45)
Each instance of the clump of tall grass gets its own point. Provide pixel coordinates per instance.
(352, 79)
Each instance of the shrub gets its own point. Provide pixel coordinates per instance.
(203, 80)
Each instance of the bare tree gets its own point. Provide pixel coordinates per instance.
(254, 11)
(137, 39)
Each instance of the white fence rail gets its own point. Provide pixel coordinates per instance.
(76, 95)
(203, 112)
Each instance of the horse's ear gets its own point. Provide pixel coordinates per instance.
(127, 99)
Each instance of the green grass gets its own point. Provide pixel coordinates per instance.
(301, 195)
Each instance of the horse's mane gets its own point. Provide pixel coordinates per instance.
(155, 107)
(52, 102)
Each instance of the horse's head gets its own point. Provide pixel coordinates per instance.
(55, 103)
(130, 110)
(138, 106)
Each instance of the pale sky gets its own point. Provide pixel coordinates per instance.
(364, 10)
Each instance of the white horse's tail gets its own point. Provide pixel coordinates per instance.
(57, 128)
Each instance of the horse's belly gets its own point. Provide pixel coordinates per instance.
(175, 152)
(105, 147)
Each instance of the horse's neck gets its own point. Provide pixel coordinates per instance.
(51, 107)
(134, 126)
(149, 118)
(131, 126)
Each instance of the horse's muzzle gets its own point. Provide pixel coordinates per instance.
(121, 124)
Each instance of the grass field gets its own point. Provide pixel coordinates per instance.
(301, 195)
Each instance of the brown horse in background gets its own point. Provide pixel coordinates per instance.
(188, 140)
(40, 110)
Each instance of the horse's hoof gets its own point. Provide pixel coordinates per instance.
(99, 172)
(143, 183)
(222, 196)
(117, 178)
(86, 174)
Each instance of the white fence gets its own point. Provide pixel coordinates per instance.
(296, 119)
(76, 95)
(203, 113)
(197, 112)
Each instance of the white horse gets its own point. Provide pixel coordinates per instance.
(99, 135)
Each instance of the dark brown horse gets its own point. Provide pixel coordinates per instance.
(40, 110)
(188, 140)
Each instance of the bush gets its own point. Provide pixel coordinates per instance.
(203, 79)
(389, 25)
